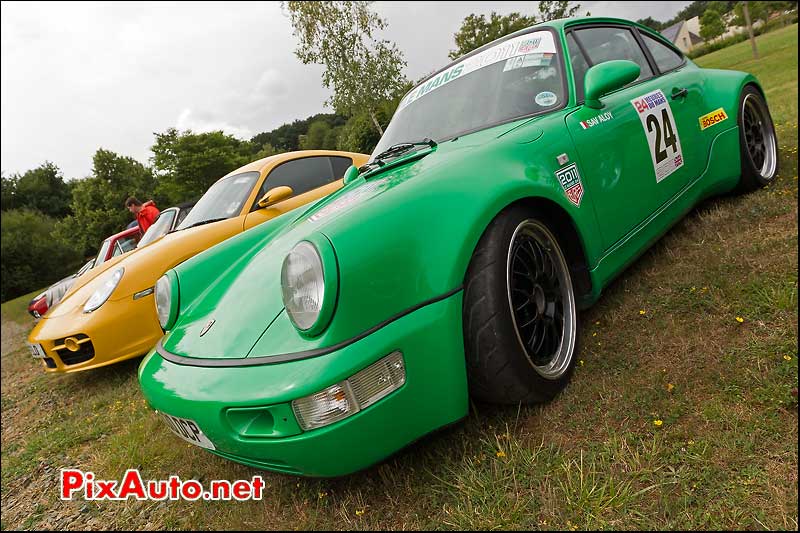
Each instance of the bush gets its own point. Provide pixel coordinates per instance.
(778, 22)
(32, 259)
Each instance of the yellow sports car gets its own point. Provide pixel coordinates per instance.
(109, 314)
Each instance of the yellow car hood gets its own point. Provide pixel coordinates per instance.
(144, 266)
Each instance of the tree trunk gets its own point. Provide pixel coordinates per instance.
(750, 29)
(375, 121)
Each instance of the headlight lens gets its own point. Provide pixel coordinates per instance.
(102, 294)
(303, 285)
(166, 301)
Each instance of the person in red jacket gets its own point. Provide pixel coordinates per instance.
(145, 213)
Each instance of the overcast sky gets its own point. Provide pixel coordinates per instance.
(80, 76)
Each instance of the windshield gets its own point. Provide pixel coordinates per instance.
(85, 267)
(124, 245)
(223, 200)
(159, 228)
(516, 78)
(101, 255)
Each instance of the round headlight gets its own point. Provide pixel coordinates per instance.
(303, 285)
(166, 302)
(102, 294)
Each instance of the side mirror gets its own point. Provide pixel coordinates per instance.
(605, 77)
(275, 195)
(350, 174)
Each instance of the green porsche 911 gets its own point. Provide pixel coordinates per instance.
(508, 190)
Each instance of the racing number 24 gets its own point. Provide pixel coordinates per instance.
(668, 135)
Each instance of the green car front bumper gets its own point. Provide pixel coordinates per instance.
(245, 411)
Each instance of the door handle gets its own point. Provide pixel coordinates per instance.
(679, 93)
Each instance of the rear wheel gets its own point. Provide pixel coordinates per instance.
(758, 144)
(520, 319)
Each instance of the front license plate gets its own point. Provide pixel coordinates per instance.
(36, 351)
(188, 430)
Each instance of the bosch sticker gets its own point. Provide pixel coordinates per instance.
(715, 117)
(570, 180)
(661, 132)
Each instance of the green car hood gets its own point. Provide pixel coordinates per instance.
(244, 299)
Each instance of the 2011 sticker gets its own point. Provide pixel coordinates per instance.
(546, 98)
(661, 131)
(570, 180)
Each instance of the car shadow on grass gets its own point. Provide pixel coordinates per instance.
(98, 379)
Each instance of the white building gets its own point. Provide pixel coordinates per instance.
(684, 34)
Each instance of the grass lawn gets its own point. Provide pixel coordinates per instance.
(663, 344)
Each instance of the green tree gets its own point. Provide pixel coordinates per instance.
(711, 25)
(362, 70)
(551, 10)
(357, 135)
(43, 188)
(286, 137)
(187, 163)
(9, 190)
(477, 30)
(759, 11)
(332, 138)
(650, 22)
(720, 7)
(696, 9)
(315, 138)
(266, 151)
(97, 202)
(32, 259)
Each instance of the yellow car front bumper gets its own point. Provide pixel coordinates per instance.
(118, 330)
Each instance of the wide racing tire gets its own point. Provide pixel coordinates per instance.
(758, 145)
(519, 314)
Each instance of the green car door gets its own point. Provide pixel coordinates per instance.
(640, 149)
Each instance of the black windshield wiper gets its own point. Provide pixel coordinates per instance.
(209, 221)
(396, 150)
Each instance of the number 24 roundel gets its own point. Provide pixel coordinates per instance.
(661, 132)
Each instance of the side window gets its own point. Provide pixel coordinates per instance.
(606, 44)
(579, 65)
(665, 57)
(169, 216)
(340, 166)
(181, 215)
(302, 175)
(125, 245)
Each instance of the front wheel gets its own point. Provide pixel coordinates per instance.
(520, 318)
(757, 141)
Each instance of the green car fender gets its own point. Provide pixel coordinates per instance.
(222, 259)
(422, 253)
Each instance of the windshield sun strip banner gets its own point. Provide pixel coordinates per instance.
(540, 42)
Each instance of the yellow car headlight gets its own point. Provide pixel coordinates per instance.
(102, 294)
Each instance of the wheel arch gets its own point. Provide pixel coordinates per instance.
(565, 230)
